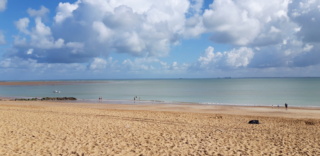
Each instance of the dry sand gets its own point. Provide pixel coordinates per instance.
(49, 128)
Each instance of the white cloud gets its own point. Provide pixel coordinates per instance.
(194, 27)
(133, 43)
(140, 64)
(22, 25)
(196, 6)
(239, 57)
(30, 51)
(64, 11)
(283, 32)
(246, 22)
(306, 14)
(46, 48)
(18, 68)
(148, 66)
(260, 34)
(235, 58)
(98, 64)
(75, 47)
(41, 36)
(230, 23)
(18, 63)
(173, 68)
(140, 28)
(308, 47)
(104, 33)
(38, 13)
(144, 28)
(3, 5)
(41, 29)
(207, 57)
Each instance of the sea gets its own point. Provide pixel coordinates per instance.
(300, 92)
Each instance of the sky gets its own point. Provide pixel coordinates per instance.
(129, 39)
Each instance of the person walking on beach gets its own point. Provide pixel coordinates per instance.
(286, 105)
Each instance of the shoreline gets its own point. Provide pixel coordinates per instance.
(151, 102)
(244, 110)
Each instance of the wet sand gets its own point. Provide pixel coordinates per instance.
(54, 128)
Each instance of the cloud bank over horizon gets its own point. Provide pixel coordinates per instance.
(115, 39)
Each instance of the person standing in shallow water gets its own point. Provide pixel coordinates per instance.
(286, 105)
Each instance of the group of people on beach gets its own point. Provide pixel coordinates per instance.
(285, 105)
(136, 98)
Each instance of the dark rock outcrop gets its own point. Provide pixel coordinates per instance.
(47, 99)
(58, 98)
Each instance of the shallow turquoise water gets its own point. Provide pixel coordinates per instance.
(248, 91)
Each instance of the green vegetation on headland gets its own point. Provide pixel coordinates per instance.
(46, 99)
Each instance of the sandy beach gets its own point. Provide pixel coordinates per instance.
(55, 128)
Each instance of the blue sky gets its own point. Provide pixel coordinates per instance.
(119, 39)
